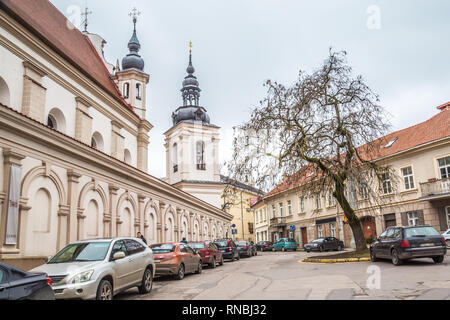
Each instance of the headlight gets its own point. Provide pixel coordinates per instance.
(315, 244)
(82, 277)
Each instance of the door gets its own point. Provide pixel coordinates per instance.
(386, 242)
(186, 258)
(124, 272)
(4, 284)
(194, 259)
(304, 236)
(136, 259)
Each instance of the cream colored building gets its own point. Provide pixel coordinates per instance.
(420, 156)
(74, 144)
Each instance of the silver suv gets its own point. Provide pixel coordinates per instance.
(100, 268)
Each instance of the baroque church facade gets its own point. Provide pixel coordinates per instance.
(74, 144)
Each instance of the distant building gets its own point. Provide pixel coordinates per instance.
(421, 157)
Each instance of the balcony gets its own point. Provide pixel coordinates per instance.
(278, 222)
(437, 189)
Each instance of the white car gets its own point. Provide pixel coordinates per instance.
(446, 235)
(100, 268)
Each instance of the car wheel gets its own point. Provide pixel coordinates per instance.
(438, 259)
(147, 282)
(105, 290)
(321, 249)
(221, 261)
(308, 251)
(273, 249)
(200, 267)
(283, 249)
(238, 256)
(180, 273)
(373, 257)
(396, 261)
(256, 253)
(213, 264)
(339, 248)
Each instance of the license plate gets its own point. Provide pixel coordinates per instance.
(427, 245)
(157, 261)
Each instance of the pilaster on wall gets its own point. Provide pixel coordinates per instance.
(117, 141)
(34, 94)
(83, 121)
(113, 211)
(72, 223)
(142, 145)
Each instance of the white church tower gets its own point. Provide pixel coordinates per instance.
(192, 146)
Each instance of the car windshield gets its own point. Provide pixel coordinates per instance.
(318, 240)
(241, 243)
(163, 248)
(421, 232)
(197, 245)
(82, 252)
(222, 243)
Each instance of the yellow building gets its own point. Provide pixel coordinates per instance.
(237, 199)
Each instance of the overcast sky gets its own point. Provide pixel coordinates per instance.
(400, 47)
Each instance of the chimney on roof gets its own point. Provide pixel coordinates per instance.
(445, 106)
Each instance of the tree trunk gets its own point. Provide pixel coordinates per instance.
(353, 220)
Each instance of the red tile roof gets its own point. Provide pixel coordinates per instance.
(434, 129)
(43, 19)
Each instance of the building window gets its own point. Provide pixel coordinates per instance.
(386, 183)
(330, 198)
(289, 203)
(319, 231)
(281, 209)
(408, 178)
(302, 204)
(274, 211)
(175, 157)
(126, 90)
(413, 219)
(51, 122)
(127, 156)
(444, 167)
(201, 156)
(318, 202)
(363, 191)
(265, 213)
(333, 230)
(138, 91)
(97, 141)
(447, 210)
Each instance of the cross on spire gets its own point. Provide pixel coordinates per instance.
(134, 14)
(190, 46)
(86, 13)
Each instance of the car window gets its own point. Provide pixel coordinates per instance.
(189, 250)
(390, 233)
(163, 248)
(397, 233)
(119, 246)
(184, 249)
(222, 243)
(421, 232)
(197, 245)
(86, 251)
(3, 276)
(383, 235)
(133, 247)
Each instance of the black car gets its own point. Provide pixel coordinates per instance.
(264, 246)
(228, 248)
(244, 248)
(324, 244)
(16, 284)
(403, 243)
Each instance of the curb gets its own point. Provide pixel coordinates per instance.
(311, 260)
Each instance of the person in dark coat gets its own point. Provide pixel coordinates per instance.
(140, 236)
(184, 240)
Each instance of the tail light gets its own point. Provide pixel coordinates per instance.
(229, 247)
(406, 244)
(245, 247)
(444, 242)
(49, 281)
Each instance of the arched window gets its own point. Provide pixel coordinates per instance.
(4, 92)
(56, 120)
(201, 155)
(126, 90)
(97, 141)
(175, 157)
(127, 156)
(138, 91)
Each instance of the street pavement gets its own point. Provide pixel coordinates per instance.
(282, 276)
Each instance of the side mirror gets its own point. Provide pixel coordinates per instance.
(118, 255)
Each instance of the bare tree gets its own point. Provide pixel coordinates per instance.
(322, 133)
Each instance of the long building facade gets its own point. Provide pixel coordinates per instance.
(74, 144)
(418, 194)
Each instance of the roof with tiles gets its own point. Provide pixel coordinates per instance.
(43, 19)
(434, 129)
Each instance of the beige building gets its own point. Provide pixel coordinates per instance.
(420, 156)
(74, 143)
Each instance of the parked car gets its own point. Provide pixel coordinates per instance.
(264, 246)
(100, 268)
(324, 244)
(244, 248)
(208, 251)
(228, 248)
(177, 259)
(403, 243)
(16, 284)
(285, 244)
(446, 235)
(253, 248)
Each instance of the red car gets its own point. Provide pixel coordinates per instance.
(209, 252)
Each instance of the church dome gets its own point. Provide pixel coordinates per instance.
(133, 60)
(190, 114)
